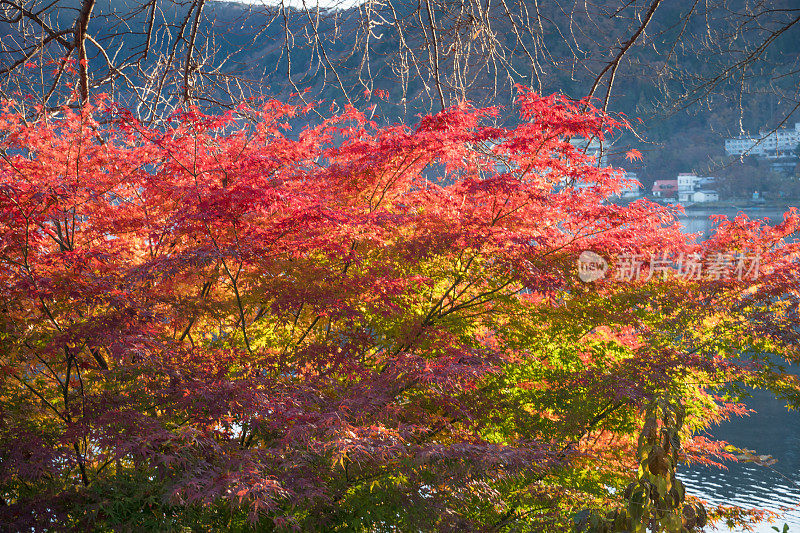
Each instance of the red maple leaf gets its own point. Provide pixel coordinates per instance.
(633, 155)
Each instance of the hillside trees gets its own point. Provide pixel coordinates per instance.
(212, 323)
(156, 55)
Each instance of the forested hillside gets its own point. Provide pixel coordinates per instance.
(663, 80)
(693, 74)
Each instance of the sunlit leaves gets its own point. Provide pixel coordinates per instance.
(226, 324)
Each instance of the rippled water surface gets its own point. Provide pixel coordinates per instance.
(772, 430)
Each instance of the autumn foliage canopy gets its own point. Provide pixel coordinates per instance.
(232, 323)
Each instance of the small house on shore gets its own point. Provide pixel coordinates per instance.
(665, 188)
(705, 195)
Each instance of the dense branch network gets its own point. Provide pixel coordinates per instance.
(160, 54)
(220, 323)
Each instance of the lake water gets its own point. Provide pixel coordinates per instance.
(771, 430)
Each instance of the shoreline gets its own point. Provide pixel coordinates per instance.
(741, 204)
(785, 205)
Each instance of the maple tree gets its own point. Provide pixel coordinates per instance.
(218, 323)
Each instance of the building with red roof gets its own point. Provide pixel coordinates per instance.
(665, 188)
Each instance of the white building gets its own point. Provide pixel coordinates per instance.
(631, 188)
(687, 181)
(778, 143)
(705, 195)
(689, 184)
(686, 186)
(593, 148)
